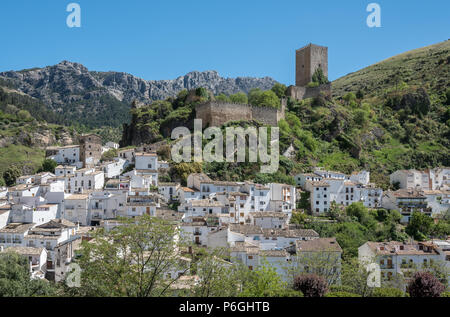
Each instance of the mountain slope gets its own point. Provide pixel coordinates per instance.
(103, 98)
(428, 67)
(374, 122)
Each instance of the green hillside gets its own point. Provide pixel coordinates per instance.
(389, 116)
(427, 67)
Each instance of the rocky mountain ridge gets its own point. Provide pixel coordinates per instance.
(71, 89)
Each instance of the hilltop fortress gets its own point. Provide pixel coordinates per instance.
(308, 60)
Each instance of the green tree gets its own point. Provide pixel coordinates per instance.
(355, 276)
(49, 166)
(222, 97)
(279, 90)
(420, 225)
(263, 281)
(11, 174)
(240, 97)
(217, 277)
(269, 99)
(109, 155)
(181, 171)
(319, 77)
(254, 96)
(361, 117)
(137, 258)
(24, 115)
(15, 278)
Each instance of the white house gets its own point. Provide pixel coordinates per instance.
(268, 220)
(37, 259)
(24, 194)
(106, 205)
(397, 258)
(282, 198)
(67, 155)
(302, 178)
(112, 145)
(406, 201)
(128, 155)
(85, 179)
(76, 209)
(114, 168)
(169, 190)
(253, 256)
(13, 234)
(197, 229)
(37, 215)
(141, 201)
(319, 256)
(270, 238)
(5, 211)
(185, 194)
(49, 235)
(319, 196)
(201, 208)
(438, 201)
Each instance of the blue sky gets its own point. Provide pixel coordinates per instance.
(163, 39)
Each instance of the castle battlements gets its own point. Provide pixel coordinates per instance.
(217, 113)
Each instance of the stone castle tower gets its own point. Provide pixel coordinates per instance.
(308, 59)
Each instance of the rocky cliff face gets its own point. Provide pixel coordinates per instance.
(71, 89)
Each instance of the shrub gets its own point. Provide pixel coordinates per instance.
(341, 288)
(311, 285)
(342, 294)
(49, 166)
(240, 97)
(319, 77)
(387, 292)
(10, 175)
(424, 284)
(319, 101)
(279, 90)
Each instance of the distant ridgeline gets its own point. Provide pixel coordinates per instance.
(309, 60)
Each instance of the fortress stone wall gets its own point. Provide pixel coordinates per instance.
(301, 93)
(215, 113)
